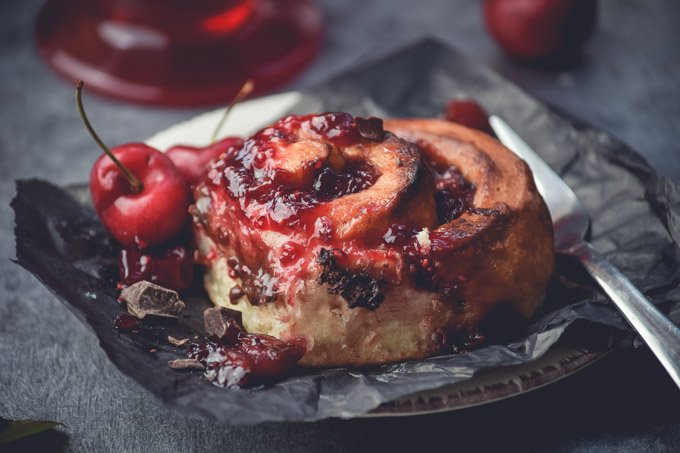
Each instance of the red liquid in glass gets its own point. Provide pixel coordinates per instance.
(178, 52)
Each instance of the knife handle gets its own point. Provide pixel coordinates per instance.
(660, 334)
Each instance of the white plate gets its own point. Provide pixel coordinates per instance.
(246, 118)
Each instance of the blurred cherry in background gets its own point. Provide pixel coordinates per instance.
(551, 31)
(469, 113)
(178, 52)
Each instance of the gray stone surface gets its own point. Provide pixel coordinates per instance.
(52, 368)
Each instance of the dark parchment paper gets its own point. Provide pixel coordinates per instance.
(636, 223)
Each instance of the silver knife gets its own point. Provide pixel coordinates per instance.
(571, 221)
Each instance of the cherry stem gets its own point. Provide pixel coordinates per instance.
(245, 90)
(135, 183)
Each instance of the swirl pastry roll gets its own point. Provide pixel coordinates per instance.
(373, 242)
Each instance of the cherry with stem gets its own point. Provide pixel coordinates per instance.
(135, 183)
(245, 90)
(137, 192)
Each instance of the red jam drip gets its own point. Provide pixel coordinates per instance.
(266, 196)
(246, 360)
(125, 322)
(172, 267)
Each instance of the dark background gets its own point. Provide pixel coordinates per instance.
(627, 84)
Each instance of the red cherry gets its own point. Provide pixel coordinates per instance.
(137, 192)
(145, 217)
(192, 162)
(468, 113)
(172, 268)
(535, 29)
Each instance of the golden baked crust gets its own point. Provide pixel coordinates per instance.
(510, 254)
(445, 278)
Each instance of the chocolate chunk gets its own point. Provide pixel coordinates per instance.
(176, 341)
(222, 323)
(363, 291)
(185, 364)
(358, 289)
(370, 128)
(145, 298)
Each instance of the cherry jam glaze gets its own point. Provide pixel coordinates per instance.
(258, 188)
(272, 197)
(262, 189)
(242, 359)
(171, 267)
(406, 252)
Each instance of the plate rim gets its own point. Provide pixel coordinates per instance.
(503, 388)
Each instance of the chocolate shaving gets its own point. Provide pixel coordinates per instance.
(370, 128)
(176, 341)
(359, 290)
(222, 323)
(145, 298)
(185, 364)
